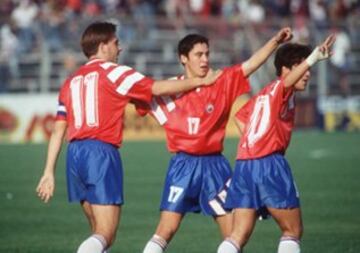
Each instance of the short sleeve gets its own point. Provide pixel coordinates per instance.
(235, 81)
(128, 82)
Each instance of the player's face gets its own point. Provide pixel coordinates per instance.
(302, 83)
(197, 62)
(113, 50)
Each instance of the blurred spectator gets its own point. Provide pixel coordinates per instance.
(143, 12)
(69, 66)
(109, 6)
(53, 18)
(91, 8)
(340, 59)
(254, 12)
(8, 57)
(339, 9)
(318, 12)
(301, 30)
(300, 8)
(24, 16)
(73, 8)
(229, 9)
(280, 8)
(6, 7)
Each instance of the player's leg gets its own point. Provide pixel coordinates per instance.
(225, 224)
(88, 213)
(106, 220)
(282, 200)
(178, 197)
(95, 179)
(290, 223)
(166, 229)
(242, 197)
(216, 180)
(244, 220)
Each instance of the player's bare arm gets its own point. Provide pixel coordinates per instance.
(46, 186)
(321, 52)
(261, 55)
(168, 87)
(240, 125)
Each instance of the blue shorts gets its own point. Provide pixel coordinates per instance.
(196, 183)
(261, 183)
(94, 173)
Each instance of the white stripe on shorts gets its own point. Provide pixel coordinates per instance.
(217, 207)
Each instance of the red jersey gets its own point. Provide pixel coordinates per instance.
(93, 100)
(269, 120)
(195, 121)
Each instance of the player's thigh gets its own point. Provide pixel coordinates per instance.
(106, 218)
(289, 220)
(168, 224)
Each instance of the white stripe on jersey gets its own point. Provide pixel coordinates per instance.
(117, 72)
(217, 207)
(158, 112)
(107, 65)
(129, 82)
(61, 108)
(170, 105)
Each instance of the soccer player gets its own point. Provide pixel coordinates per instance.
(262, 181)
(91, 108)
(198, 174)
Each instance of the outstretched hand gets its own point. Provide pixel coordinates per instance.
(211, 76)
(325, 47)
(284, 35)
(321, 52)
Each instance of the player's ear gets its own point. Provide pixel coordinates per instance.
(284, 71)
(103, 47)
(183, 59)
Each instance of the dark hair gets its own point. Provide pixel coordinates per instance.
(290, 54)
(187, 43)
(94, 34)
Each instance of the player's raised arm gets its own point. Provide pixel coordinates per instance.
(240, 125)
(321, 52)
(168, 87)
(46, 186)
(261, 55)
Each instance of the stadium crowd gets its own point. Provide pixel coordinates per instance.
(56, 23)
(28, 18)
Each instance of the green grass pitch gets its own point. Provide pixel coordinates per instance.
(326, 168)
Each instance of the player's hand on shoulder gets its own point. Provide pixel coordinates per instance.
(45, 188)
(284, 35)
(211, 76)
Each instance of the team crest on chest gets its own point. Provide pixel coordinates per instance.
(209, 108)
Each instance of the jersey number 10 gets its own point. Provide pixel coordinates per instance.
(84, 95)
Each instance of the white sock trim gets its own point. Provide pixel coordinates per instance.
(160, 241)
(101, 239)
(93, 244)
(289, 244)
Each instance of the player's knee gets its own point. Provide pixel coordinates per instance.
(241, 237)
(167, 231)
(295, 231)
(109, 235)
